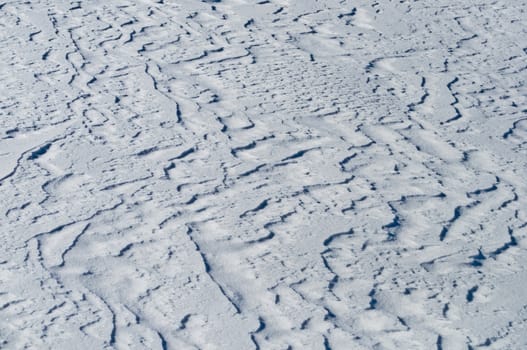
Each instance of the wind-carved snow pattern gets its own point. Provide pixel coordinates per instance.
(271, 174)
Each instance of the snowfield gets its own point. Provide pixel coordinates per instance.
(274, 174)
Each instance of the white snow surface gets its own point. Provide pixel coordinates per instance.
(279, 174)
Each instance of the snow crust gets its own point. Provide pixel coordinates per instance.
(272, 174)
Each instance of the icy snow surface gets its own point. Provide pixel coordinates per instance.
(281, 174)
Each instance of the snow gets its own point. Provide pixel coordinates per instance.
(279, 174)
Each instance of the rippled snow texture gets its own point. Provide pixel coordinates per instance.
(278, 174)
